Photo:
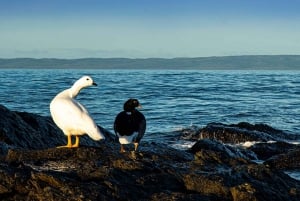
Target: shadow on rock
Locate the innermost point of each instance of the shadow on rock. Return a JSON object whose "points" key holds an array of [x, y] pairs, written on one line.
{"points": [[32, 169]]}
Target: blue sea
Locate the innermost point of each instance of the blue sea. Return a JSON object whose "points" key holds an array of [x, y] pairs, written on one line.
{"points": [[172, 99]]}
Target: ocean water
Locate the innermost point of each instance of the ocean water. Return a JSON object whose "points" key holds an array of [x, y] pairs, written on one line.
{"points": [[171, 100]]}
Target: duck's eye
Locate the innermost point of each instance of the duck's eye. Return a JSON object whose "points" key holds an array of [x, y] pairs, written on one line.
{"points": [[87, 79]]}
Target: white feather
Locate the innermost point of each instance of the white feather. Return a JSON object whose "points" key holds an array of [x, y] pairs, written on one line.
{"points": [[72, 117]]}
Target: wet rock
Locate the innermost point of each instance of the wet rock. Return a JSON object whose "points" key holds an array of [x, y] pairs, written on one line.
{"points": [[102, 173], [264, 141], [93, 172], [210, 171], [266, 150], [210, 152], [31, 131], [286, 161], [240, 133]]}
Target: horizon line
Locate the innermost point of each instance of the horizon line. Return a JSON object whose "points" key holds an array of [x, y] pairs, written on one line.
{"points": [[143, 58]]}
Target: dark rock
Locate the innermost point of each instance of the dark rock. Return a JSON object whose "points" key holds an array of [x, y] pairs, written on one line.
{"points": [[31, 168], [102, 173], [30, 131], [240, 133], [287, 161], [265, 151], [210, 152]]}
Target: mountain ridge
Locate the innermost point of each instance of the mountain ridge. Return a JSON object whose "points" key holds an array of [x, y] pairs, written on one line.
{"points": [[242, 62]]}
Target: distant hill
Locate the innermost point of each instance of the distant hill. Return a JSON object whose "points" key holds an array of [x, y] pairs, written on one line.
{"points": [[263, 62]]}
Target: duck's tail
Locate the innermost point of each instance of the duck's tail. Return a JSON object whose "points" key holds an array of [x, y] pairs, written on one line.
{"points": [[96, 134]]}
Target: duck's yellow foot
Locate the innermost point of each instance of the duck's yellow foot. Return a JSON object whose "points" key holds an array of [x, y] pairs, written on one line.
{"points": [[136, 145], [69, 143], [66, 146], [74, 146], [122, 150]]}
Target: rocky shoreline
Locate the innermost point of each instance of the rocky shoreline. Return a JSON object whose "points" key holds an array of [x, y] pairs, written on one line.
{"points": [[32, 168]]}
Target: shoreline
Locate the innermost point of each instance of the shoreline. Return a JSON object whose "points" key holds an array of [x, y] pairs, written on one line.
{"points": [[31, 167]]}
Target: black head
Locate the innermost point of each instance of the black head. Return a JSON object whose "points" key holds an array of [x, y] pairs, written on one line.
{"points": [[131, 104]]}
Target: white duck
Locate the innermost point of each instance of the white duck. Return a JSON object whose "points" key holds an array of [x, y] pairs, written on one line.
{"points": [[71, 117]]}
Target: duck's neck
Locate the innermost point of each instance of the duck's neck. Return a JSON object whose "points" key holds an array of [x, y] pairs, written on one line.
{"points": [[130, 112], [74, 90]]}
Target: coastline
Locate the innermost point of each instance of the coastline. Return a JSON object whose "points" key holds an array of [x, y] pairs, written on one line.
{"points": [[239, 62], [31, 166]]}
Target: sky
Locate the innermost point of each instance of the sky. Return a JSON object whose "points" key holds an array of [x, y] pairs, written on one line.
{"points": [[148, 28]]}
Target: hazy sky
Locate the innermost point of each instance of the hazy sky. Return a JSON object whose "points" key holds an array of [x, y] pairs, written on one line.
{"points": [[148, 28]]}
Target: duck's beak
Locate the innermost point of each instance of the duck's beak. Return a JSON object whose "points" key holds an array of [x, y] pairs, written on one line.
{"points": [[139, 106], [94, 84]]}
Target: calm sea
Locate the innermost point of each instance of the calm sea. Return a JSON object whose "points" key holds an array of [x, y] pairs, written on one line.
{"points": [[171, 100]]}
